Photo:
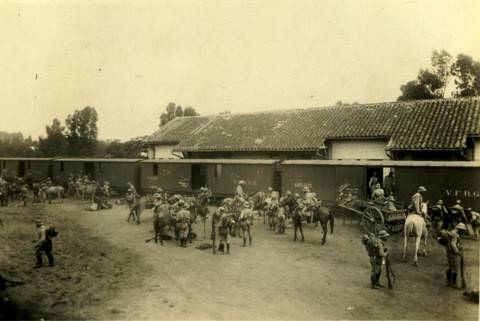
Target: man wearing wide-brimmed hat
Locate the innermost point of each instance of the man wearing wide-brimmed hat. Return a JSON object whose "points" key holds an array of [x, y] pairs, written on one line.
{"points": [[246, 220], [377, 252], [44, 244], [454, 254], [417, 200]]}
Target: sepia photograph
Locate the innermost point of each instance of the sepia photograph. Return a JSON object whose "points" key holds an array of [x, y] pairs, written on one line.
{"points": [[239, 160]]}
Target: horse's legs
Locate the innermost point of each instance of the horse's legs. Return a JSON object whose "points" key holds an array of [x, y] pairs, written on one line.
{"points": [[301, 232], [425, 244], [295, 227], [417, 248], [405, 241]]}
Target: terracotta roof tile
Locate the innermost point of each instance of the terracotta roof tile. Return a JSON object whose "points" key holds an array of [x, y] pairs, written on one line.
{"points": [[440, 124]]}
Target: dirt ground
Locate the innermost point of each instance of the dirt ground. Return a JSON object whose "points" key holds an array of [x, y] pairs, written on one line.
{"points": [[105, 270]]}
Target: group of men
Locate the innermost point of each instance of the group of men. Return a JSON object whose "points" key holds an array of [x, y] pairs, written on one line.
{"points": [[448, 234]]}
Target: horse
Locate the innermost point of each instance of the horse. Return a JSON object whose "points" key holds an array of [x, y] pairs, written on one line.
{"points": [[320, 213], [416, 225], [59, 191], [139, 206], [83, 191], [257, 203], [162, 216]]}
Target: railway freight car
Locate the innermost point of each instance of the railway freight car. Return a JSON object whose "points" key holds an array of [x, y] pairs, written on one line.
{"points": [[117, 171], [34, 169], [221, 176], [448, 181]]}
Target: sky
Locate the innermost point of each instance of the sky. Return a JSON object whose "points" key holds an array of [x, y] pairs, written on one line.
{"points": [[129, 59]]}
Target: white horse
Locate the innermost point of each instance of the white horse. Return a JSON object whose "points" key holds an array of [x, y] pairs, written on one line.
{"points": [[415, 225]]}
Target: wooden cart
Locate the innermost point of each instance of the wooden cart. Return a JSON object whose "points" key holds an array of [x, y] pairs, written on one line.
{"points": [[375, 218]]}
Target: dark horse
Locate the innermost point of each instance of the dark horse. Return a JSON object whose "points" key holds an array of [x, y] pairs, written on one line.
{"points": [[162, 216], [320, 214]]}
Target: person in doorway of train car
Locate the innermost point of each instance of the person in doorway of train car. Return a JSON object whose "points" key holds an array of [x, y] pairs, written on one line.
{"points": [[389, 184], [373, 182], [246, 221], [475, 221]]}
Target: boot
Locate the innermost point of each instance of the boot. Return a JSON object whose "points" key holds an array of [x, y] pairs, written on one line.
{"points": [[454, 281], [221, 248], [373, 280], [228, 248], [244, 242], [449, 278], [249, 240], [39, 262], [378, 281]]}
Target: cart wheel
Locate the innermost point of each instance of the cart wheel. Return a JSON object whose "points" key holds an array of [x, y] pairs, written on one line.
{"points": [[372, 220], [395, 226]]}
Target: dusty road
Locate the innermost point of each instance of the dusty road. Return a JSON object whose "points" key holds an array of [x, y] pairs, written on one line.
{"points": [[275, 278]]}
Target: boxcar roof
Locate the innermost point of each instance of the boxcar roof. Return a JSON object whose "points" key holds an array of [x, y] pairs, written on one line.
{"points": [[212, 161], [99, 160], [382, 163], [24, 159]]}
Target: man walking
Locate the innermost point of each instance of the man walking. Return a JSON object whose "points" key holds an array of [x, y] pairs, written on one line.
{"points": [[377, 252], [183, 223], [246, 221], [44, 244], [454, 254]]}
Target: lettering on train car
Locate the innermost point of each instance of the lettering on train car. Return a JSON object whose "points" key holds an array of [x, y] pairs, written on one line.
{"points": [[184, 182], [151, 178], [302, 185], [346, 193], [463, 193], [247, 183]]}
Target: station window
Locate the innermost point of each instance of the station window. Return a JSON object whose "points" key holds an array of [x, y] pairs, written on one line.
{"points": [[218, 170], [62, 166], [155, 169]]}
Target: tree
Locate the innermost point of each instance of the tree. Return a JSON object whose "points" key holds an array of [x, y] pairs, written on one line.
{"points": [[427, 86], [55, 144], [134, 148], [82, 132], [442, 64], [172, 111], [467, 76]]}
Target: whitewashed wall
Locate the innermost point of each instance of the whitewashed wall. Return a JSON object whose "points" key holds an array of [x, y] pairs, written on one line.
{"points": [[476, 151], [358, 149], [161, 151]]}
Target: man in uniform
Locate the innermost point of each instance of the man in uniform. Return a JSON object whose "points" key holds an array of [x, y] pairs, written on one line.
{"points": [[378, 195], [389, 183], [417, 201], [246, 221], [203, 201], [309, 200], [454, 254], [373, 181], [458, 213], [439, 214], [130, 200], [158, 194], [226, 220], [183, 223], [272, 210], [377, 252], [240, 196], [215, 220], [44, 244], [134, 190], [475, 221]]}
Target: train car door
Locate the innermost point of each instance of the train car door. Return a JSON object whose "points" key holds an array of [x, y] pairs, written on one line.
{"points": [[199, 176], [370, 173], [21, 169], [89, 169]]}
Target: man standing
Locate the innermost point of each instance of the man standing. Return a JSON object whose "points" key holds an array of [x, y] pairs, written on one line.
{"points": [[226, 220], [389, 183], [44, 244], [183, 223], [439, 214], [454, 254], [458, 213], [246, 221], [134, 190], [378, 253], [373, 181]]}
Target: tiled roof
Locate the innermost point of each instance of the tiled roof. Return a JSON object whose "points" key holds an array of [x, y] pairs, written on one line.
{"points": [[441, 124], [176, 130]]}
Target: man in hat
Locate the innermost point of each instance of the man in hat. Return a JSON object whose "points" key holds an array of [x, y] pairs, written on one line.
{"points": [[373, 182], [475, 221], [271, 211], [134, 190], [458, 213], [389, 184], [417, 201], [226, 221], [377, 251], [439, 214], [378, 195], [183, 223], [454, 254], [240, 195], [44, 244], [130, 200], [246, 221], [308, 202]]}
